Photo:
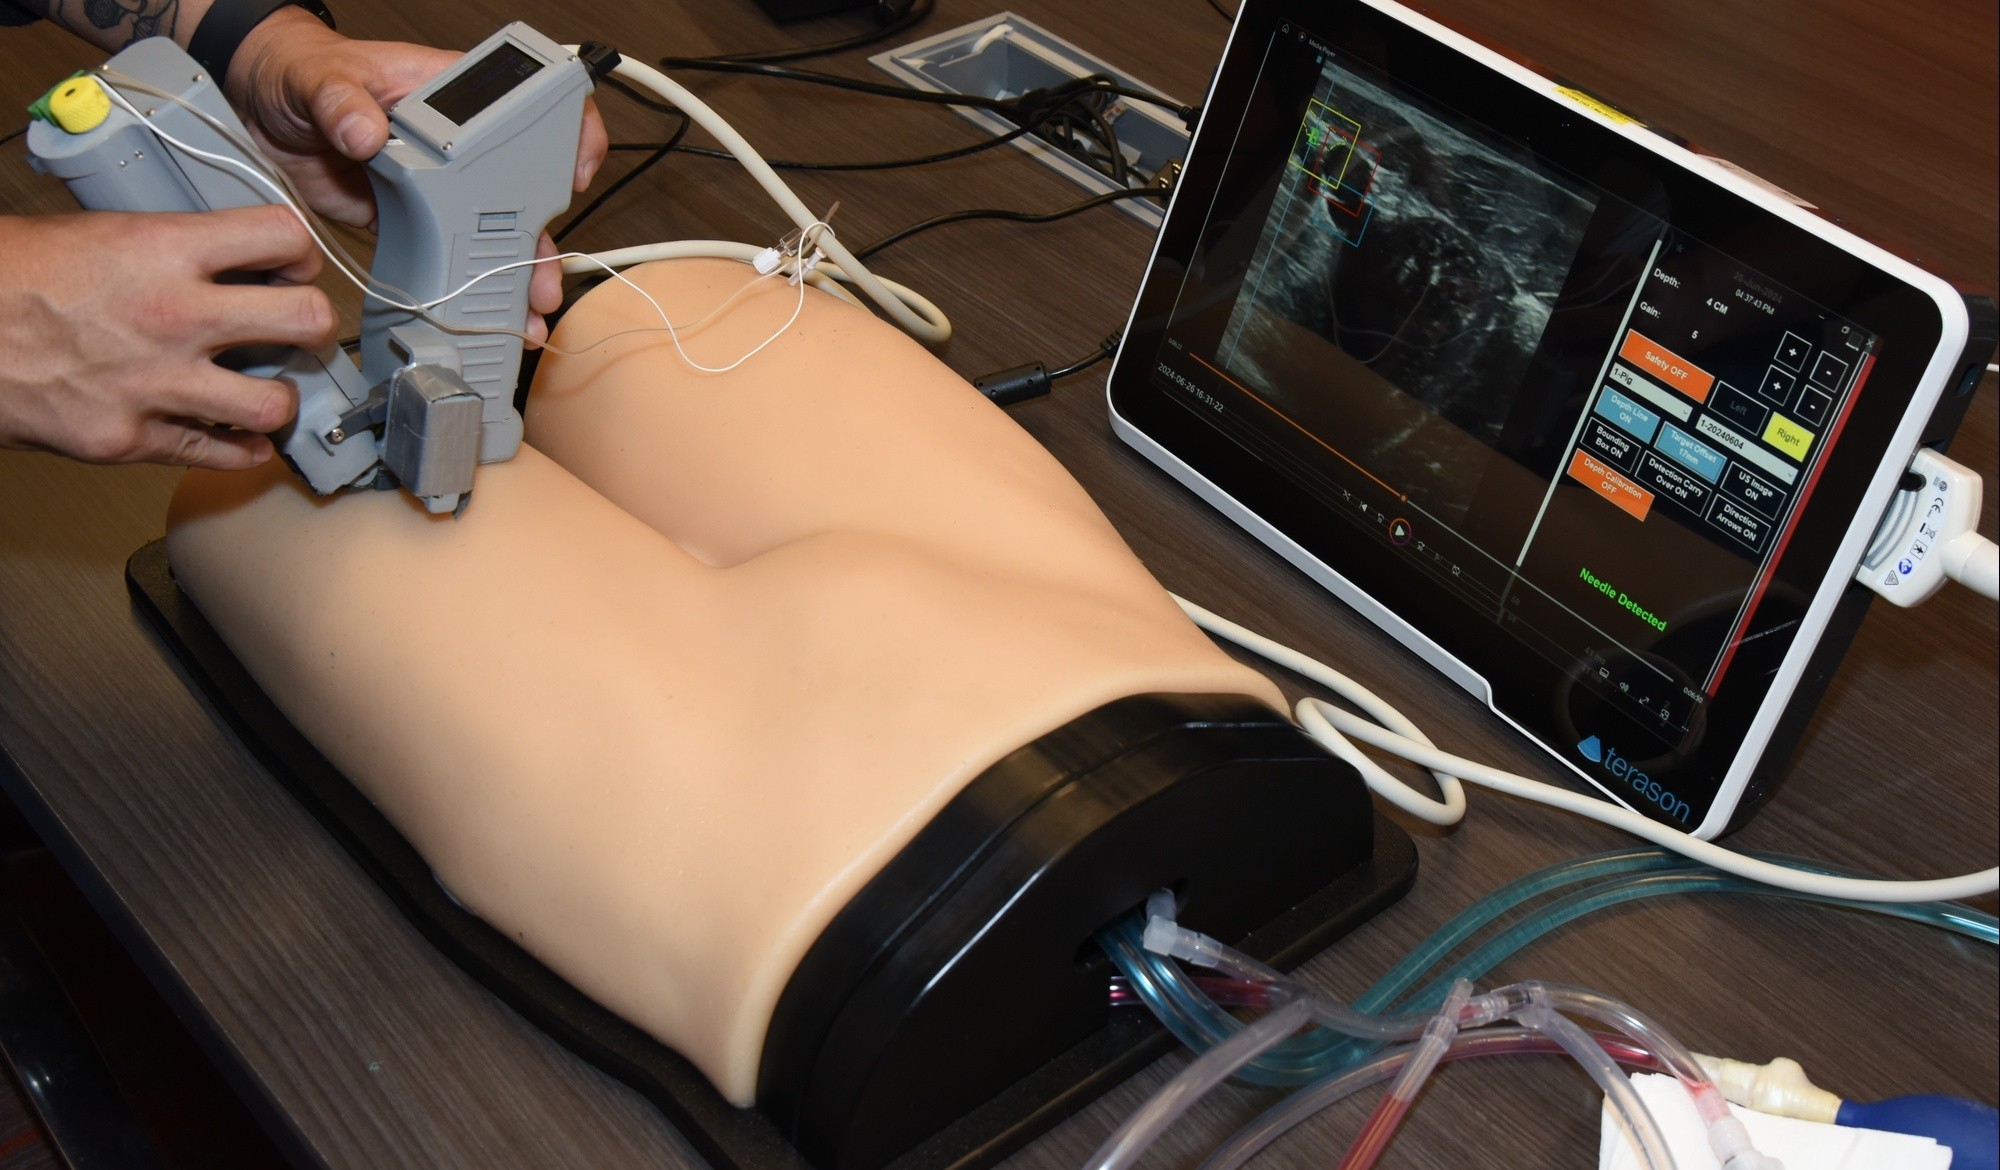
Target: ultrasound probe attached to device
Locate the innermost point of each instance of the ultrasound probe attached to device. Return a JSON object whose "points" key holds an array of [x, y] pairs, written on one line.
{"points": [[477, 162]]}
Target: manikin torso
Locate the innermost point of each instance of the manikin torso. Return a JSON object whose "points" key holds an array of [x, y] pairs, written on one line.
{"points": [[706, 653]]}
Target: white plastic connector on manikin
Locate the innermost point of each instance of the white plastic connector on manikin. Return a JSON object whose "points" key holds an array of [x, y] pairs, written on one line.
{"points": [[1927, 535], [1164, 936], [1780, 1087]]}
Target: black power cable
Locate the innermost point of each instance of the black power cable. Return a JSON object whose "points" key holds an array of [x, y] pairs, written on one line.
{"points": [[625, 180], [1008, 387], [1107, 137], [1103, 352], [1032, 111], [1009, 215], [1027, 101], [12, 135], [909, 18], [888, 164]]}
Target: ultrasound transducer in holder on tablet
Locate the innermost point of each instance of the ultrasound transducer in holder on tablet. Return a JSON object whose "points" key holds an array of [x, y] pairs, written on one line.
{"points": [[1598, 426]]}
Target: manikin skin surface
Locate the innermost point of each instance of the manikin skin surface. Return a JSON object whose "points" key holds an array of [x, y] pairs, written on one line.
{"points": [[706, 654]]}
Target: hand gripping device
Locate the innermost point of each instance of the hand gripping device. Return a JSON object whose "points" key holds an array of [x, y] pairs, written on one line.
{"points": [[478, 161]]}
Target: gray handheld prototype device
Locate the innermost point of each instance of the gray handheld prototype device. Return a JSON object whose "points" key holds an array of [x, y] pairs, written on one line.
{"points": [[478, 161]]}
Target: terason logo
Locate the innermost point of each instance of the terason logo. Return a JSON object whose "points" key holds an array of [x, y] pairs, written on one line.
{"points": [[1592, 748]]}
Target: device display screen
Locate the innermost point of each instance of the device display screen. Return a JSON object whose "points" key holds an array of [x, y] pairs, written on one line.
{"points": [[1538, 395], [482, 83]]}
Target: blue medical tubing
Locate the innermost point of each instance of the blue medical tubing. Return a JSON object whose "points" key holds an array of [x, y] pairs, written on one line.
{"points": [[1949, 916], [1473, 918]]}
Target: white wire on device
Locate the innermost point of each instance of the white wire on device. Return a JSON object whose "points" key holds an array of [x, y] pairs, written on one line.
{"points": [[277, 190], [814, 233], [932, 326], [1395, 734], [827, 276], [824, 277]]}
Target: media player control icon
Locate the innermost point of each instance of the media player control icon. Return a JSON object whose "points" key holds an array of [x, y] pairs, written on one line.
{"points": [[1400, 531]]}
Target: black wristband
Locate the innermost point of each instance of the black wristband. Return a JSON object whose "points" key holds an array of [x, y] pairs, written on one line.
{"points": [[227, 22]]}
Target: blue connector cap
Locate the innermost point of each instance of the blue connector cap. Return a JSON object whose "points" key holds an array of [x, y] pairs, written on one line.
{"points": [[1971, 1130]]}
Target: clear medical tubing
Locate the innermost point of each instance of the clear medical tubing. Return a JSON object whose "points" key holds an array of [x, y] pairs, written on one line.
{"points": [[1539, 1005], [1635, 874], [1199, 1023], [1339, 1017], [1542, 1016], [1535, 1004], [1226, 992], [1197, 1020], [1280, 1119], [1210, 1069], [1728, 1138], [1626, 1019], [1424, 1057]]}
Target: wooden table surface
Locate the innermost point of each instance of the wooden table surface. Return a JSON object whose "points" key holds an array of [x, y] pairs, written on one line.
{"points": [[364, 1048]]}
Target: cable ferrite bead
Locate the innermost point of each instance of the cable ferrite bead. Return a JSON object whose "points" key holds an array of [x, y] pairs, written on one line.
{"points": [[1007, 387]]}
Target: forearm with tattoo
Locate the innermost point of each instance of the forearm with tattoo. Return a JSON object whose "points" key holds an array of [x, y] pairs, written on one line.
{"points": [[114, 24]]}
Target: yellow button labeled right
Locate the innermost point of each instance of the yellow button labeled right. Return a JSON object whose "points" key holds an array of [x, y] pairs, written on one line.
{"points": [[1788, 436]]}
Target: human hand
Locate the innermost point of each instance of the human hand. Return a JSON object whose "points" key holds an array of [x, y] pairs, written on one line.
{"points": [[110, 322], [315, 102]]}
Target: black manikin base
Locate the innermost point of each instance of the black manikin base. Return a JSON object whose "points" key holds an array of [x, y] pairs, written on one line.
{"points": [[730, 1138]]}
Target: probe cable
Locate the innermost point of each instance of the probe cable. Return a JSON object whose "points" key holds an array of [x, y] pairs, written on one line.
{"points": [[916, 315], [1389, 730]]}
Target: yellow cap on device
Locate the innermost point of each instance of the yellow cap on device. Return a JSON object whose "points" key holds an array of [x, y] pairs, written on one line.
{"points": [[78, 105]]}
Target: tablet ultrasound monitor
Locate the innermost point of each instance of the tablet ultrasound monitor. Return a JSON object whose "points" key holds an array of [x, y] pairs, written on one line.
{"points": [[1597, 426]]}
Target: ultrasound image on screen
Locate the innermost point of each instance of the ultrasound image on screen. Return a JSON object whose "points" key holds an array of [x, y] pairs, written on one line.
{"points": [[1428, 259]]}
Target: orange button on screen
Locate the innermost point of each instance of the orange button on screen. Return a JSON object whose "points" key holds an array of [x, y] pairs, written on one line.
{"points": [[1667, 366], [1611, 485]]}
